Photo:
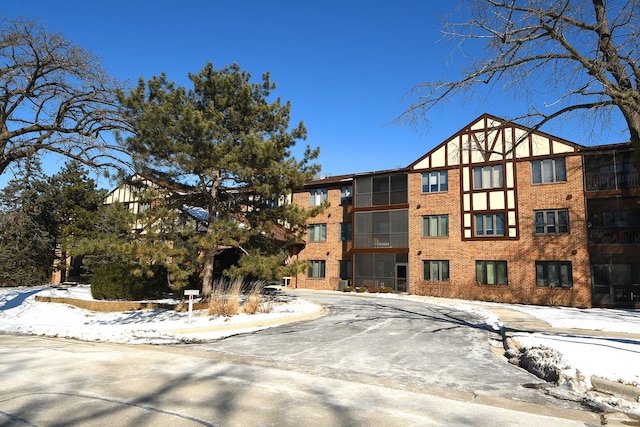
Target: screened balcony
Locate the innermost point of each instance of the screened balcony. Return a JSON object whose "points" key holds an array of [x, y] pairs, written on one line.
{"points": [[613, 221], [611, 171]]}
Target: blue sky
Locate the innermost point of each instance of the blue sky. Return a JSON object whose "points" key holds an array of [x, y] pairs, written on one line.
{"points": [[346, 66]]}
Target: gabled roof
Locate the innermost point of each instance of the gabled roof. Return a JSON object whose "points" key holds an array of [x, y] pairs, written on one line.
{"points": [[490, 138]]}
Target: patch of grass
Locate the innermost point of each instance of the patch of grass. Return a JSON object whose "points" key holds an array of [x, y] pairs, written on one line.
{"points": [[267, 307], [225, 299], [254, 300]]}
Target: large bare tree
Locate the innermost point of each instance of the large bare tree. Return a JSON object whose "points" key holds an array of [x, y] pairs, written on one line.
{"points": [[564, 56], [54, 97]]}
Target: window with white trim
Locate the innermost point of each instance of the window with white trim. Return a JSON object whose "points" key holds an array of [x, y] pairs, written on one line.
{"points": [[316, 269], [435, 226], [552, 221], [548, 170], [489, 224], [435, 182], [491, 272], [318, 232], [554, 274], [318, 196], [486, 177], [436, 271]]}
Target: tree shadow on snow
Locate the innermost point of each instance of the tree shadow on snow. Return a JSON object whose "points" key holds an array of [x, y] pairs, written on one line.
{"points": [[17, 300]]}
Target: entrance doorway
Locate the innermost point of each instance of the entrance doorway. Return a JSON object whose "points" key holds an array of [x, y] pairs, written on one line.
{"points": [[401, 278]]}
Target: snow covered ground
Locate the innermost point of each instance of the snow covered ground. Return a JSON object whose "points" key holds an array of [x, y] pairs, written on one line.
{"points": [[616, 359], [21, 313]]}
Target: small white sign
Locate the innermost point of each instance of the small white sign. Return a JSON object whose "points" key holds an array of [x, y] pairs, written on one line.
{"points": [[191, 293]]}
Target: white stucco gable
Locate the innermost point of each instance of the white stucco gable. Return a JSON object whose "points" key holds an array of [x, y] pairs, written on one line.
{"points": [[489, 139]]}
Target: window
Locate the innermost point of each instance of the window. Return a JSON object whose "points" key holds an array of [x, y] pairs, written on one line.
{"points": [[435, 226], [434, 182], [318, 232], [491, 272], [487, 177], [548, 170], [318, 196], [552, 221], [554, 274], [345, 231], [346, 195], [316, 269], [437, 271], [489, 224]]}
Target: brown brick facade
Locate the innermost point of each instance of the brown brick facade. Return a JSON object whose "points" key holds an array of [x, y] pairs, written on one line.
{"points": [[331, 251], [520, 246], [520, 254]]}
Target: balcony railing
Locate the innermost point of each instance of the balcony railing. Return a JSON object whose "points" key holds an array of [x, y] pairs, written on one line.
{"points": [[614, 236], [391, 240], [612, 180]]}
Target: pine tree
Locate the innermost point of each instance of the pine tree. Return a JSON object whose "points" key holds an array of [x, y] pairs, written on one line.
{"points": [[226, 140], [27, 229], [75, 200]]}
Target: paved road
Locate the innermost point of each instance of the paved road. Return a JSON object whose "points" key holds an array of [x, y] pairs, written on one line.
{"points": [[411, 345], [368, 362]]}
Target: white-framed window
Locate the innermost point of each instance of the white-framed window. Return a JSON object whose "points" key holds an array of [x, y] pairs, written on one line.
{"points": [[318, 196], [554, 274], [316, 269], [486, 177], [491, 272], [489, 224], [548, 170], [318, 232], [435, 182], [435, 225], [552, 221], [436, 271]]}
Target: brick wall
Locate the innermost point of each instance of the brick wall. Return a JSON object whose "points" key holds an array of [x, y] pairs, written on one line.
{"points": [[333, 250], [520, 254]]}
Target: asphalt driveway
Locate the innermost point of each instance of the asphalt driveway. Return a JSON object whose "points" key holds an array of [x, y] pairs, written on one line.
{"points": [[368, 362], [411, 345]]}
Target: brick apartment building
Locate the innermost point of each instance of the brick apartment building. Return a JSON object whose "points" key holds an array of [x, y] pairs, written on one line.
{"points": [[496, 212]]}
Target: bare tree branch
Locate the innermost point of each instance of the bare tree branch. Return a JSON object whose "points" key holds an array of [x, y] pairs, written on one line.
{"points": [[55, 97], [583, 51]]}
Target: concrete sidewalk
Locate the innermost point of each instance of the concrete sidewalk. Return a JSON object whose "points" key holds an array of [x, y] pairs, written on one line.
{"points": [[515, 321]]}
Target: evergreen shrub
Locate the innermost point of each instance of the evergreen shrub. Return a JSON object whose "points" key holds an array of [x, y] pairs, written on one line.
{"points": [[117, 282]]}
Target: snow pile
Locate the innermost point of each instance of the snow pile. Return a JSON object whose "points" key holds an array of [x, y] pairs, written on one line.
{"points": [[21, 313]]}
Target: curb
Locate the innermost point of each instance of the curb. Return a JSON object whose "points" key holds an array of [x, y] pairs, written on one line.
{"points": [[321, 311], [626, 391]]}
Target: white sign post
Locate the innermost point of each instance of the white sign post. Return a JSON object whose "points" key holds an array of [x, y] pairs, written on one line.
{"points": [[191, 293]]}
